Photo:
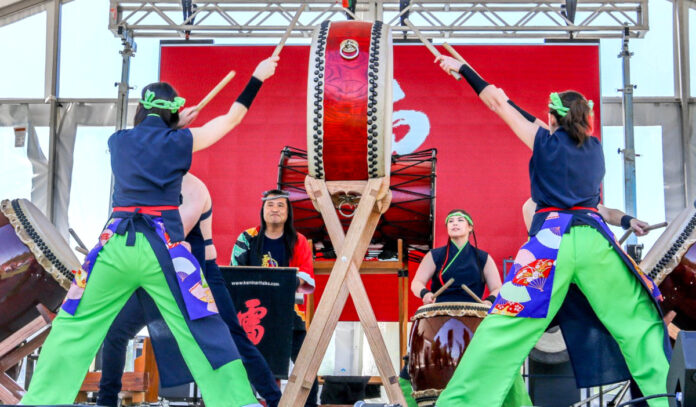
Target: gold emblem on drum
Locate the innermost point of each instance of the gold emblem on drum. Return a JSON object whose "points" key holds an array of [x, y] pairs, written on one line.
{"points": [[349, 49]]}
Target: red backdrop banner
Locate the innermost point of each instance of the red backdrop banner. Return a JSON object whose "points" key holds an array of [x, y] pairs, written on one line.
{"points": [[481, 166]]}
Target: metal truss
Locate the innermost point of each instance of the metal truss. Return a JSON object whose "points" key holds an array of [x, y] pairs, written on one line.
{"points": [[436, 19]]}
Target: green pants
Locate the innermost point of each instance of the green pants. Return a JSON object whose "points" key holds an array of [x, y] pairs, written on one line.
{"points": [[74, 340], [585, 258]]}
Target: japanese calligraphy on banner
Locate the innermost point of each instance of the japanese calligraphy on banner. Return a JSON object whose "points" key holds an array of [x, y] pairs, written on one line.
{"points": [[481, 165], [264, 298]]}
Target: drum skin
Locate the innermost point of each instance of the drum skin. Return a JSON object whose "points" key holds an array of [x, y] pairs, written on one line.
{"points": [[349, 101], [24, 282], [410, 215], [437, 343]]}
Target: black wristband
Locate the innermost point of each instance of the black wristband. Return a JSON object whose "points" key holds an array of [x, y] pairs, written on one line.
{"points": [[626, 221], [423, 292], [523, 112], [249, 93], [490, 298], [475, 81]]}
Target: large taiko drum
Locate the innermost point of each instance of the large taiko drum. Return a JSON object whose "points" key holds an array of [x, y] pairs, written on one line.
{"points": [[35, 265], [409, 217], [671, 263], [440, 334], [349, 101]]}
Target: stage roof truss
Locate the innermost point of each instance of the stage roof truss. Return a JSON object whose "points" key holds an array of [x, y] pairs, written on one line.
{"points": [[436, 19]]}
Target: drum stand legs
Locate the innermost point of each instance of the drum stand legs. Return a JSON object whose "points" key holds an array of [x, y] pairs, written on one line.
{"points": [[12, 353], [350, 251]]}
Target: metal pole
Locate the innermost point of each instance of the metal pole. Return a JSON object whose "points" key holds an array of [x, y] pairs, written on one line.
{"points": [[629, 151], [129, 49], [51, 97], [683, 89]]}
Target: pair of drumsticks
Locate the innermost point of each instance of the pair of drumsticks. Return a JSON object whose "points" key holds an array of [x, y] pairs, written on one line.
{"points": [[231, 74], [464, 287], [434, 50]]}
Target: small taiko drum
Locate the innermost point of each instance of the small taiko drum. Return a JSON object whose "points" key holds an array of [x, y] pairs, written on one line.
{"points": [[440, 334], [349, 101], [671, 263], [409, 217], [35, 265]]}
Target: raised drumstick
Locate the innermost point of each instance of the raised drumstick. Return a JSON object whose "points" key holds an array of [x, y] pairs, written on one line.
{"points": [[281, 44], [443, 288], [428, 45], [457, 56], [471, 293], [648, 228], [215, 90]]}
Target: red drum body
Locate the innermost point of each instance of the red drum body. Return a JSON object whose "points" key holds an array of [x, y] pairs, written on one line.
{"points": [[671, 263], [349, 101], [410, 216], [35, 265], [440, 334]]}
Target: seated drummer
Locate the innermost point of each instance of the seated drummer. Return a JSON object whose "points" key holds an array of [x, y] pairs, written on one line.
{"points": [[276, 243], [466, 264]]}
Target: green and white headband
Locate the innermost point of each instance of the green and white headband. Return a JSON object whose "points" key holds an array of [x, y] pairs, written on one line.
{"points": [[149, 102]]}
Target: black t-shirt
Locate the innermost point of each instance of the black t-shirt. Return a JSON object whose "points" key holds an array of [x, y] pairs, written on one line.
{"points": [[273, 254]]}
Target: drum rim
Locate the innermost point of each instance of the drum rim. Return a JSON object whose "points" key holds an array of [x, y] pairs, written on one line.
{"points": [[15, 213], [476, 309], [680, 243]]}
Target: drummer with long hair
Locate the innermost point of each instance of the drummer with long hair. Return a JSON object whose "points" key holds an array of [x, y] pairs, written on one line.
{"points": [[570, 251], [467, 265], [141, 246]]}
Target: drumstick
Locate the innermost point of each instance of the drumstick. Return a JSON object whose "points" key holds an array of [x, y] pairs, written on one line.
{"points": [[77, 239], [428, 45], [443, 288], [280, 45], [647, 229], [457, 56], [471, 293], [215, 91], [81, 250]]}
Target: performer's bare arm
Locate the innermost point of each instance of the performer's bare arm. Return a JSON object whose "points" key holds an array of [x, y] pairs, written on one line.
{"points": [[208, 134], [528, 209], [613, 217], [425, 272], [194, 195], [490, 272], [497, 101]]}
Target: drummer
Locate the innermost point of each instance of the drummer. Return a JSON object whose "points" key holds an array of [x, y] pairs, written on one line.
{"points": [[141, 247], [466, 264], [570, 245]]}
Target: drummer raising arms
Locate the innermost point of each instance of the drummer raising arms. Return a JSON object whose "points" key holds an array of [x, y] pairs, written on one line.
{"points": [[569, 243], [141, 247], [466, 264]]}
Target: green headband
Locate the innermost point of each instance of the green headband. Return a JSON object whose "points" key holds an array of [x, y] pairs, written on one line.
{"points": [[557, 105], [173, 106], [467, 217]]}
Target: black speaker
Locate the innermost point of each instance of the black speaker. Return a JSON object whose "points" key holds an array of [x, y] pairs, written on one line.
{"points": [[682, 370]]}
